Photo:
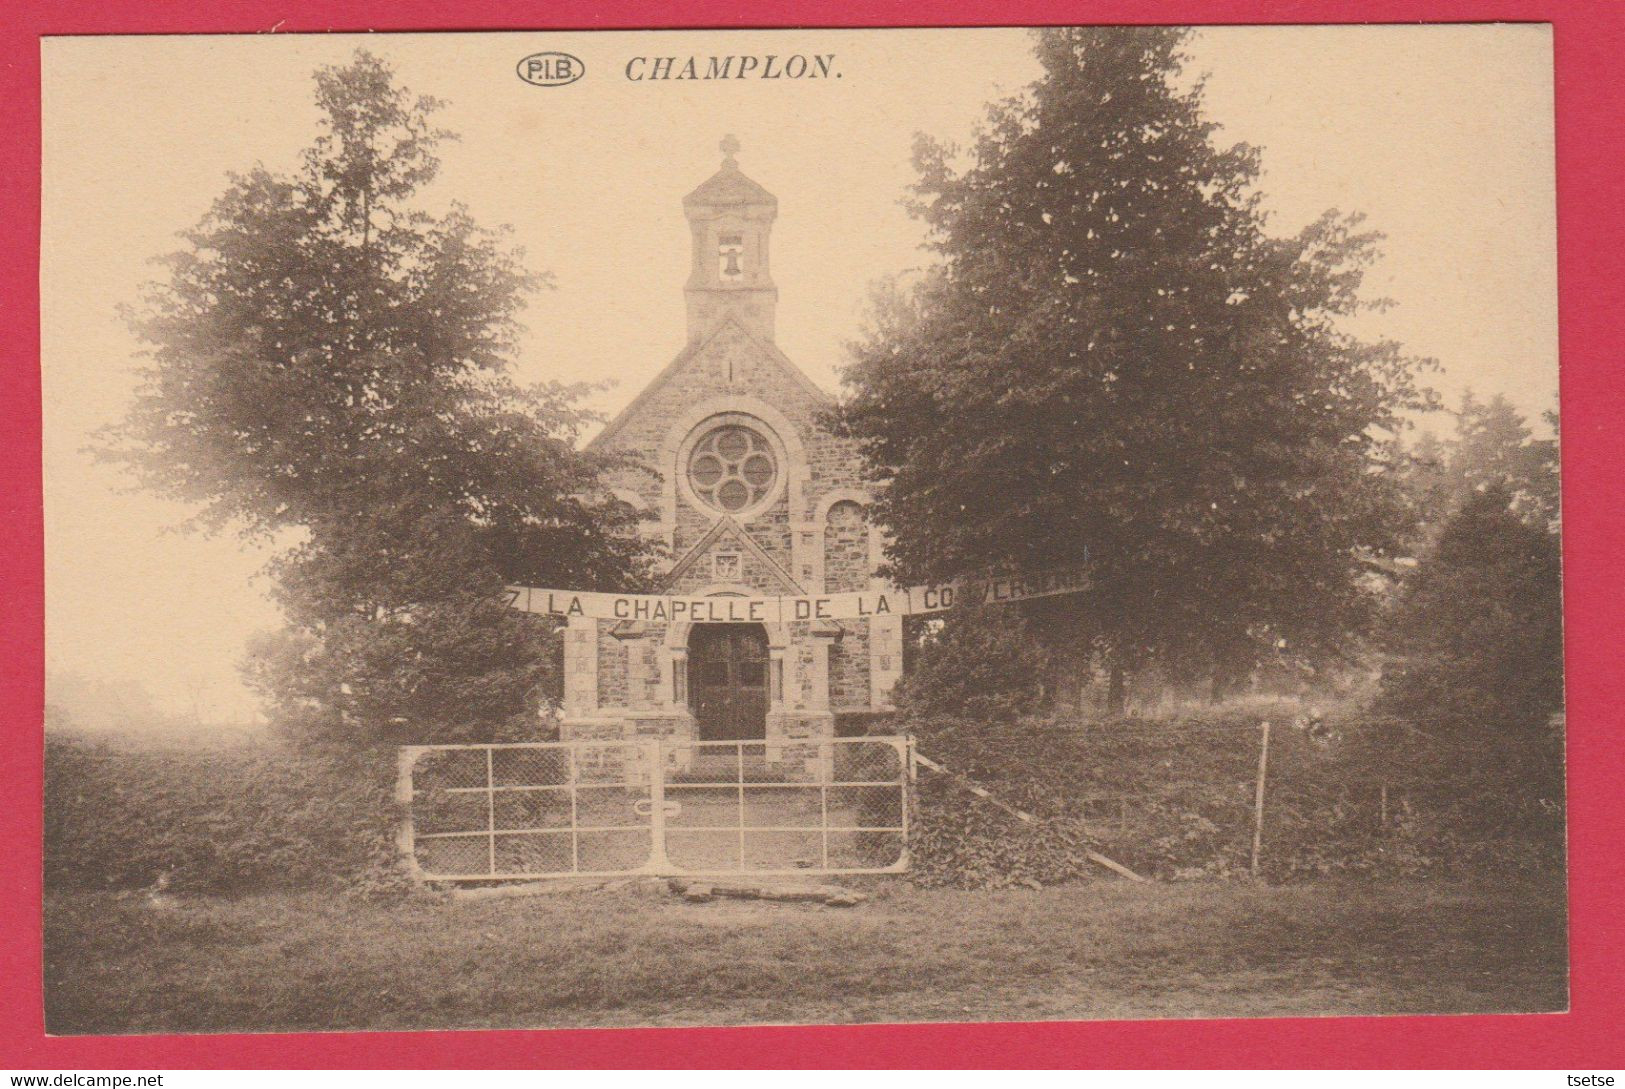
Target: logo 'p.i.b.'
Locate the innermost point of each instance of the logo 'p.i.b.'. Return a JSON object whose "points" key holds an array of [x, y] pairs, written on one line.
{"points": [[551, 69]]}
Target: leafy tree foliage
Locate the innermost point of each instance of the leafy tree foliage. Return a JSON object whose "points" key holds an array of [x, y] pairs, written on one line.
{"points": [[1114, 366], [974, 663], [329, 360], [1477, 636]]}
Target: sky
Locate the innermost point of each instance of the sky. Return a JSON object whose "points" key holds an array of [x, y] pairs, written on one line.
{"points": [[1441, 135]]}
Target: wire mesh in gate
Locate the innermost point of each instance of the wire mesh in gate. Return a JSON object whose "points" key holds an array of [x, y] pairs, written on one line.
{"points": [[829, 806], [599, 808], [499, 811]]}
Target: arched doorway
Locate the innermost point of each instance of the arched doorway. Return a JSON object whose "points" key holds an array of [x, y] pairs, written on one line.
{"points": [[727, 681]]}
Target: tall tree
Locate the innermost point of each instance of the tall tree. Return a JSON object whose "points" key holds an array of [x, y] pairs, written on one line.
{"points": [[1491, 446], [1114, 366], [1494, 447], [1476, 640], [330, 360]]}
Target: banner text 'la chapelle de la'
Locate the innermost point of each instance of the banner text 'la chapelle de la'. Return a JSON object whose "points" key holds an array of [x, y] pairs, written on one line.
{"points": [[774, 609]]}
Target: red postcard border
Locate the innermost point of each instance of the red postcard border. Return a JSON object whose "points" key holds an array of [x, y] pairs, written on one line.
{"points": [[1589, 38]]}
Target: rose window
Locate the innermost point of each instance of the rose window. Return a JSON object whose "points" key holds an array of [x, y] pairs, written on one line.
{"points": [[732, 468]]}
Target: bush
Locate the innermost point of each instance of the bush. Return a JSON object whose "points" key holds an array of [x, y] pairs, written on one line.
{"points": [[1186, 815], [977, 663], [961, 842], [225, 820], [1174, 799]]}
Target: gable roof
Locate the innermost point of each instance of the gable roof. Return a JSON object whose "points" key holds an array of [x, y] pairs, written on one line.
{"points": [[692, 351], [722, 526], [730, 186]]}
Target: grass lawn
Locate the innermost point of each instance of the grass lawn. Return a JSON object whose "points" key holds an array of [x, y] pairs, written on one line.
{"points": [[636, 955]]}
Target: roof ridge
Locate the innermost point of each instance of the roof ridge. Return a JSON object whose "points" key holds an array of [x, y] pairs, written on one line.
{"points": [[730, 185]]}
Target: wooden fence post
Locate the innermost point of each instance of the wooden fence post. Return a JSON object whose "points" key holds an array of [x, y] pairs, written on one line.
{"points": [[1258, 794]]}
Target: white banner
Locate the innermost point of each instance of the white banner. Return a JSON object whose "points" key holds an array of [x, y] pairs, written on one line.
{"points": [[911, 601]]}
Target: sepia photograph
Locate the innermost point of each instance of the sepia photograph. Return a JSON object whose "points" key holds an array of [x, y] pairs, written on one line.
{"points": [[583, 529]]}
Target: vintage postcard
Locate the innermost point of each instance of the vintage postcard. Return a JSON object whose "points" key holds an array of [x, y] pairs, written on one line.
{"points": [[696, 528]]}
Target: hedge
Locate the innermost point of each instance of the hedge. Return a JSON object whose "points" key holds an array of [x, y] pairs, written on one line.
{"points": [[1174, 800], [218, 820]]}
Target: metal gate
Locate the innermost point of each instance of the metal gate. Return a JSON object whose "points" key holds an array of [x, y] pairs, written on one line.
{"points": [[606, 808]]}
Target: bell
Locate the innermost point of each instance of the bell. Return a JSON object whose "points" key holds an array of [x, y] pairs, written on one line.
{"points": [[731, 266]]}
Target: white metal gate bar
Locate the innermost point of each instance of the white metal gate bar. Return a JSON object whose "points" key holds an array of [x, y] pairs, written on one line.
{"points": [[441, 831], [506, 811], [878, 767]]}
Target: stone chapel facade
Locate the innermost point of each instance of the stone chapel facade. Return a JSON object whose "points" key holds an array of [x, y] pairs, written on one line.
{"points": [[751, 496]]}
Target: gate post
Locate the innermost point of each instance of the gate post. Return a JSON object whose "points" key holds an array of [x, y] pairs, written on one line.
{"points": [[657, 806], [909, 774], [406, 758]]}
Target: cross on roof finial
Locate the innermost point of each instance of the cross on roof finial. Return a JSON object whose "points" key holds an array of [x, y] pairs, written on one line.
{"points": [[730, 147]]}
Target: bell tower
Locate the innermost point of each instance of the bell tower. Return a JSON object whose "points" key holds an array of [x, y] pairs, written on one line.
{"points": [[730, 218]]}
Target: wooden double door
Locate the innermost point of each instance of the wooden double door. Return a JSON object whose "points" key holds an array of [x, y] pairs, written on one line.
{"points": [[727, 681]]}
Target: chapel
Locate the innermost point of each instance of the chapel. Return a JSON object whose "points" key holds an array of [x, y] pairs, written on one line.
{"points": [[751, 495]]}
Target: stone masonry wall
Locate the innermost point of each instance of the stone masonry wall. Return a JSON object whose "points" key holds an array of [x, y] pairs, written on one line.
{"points": [[849, 668], [846, 568], [846, 549], [727, 365], [730, 363], [612, 671]]}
